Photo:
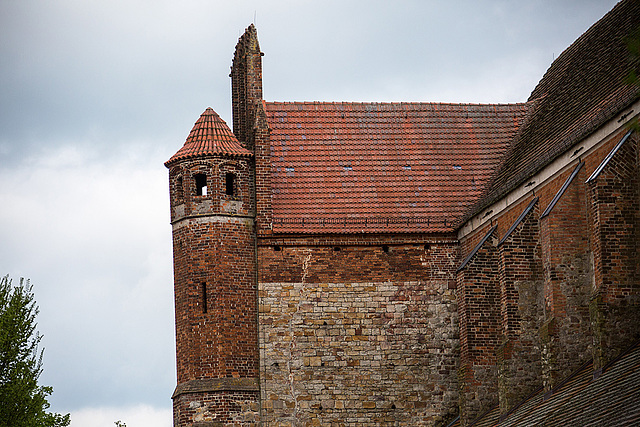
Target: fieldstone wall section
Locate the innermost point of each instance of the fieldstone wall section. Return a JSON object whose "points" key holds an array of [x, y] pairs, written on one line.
{"points": [[226, 408], [364, 351]]}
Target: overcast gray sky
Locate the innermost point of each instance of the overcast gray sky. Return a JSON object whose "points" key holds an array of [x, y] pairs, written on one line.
{"points": [[95, 96]]}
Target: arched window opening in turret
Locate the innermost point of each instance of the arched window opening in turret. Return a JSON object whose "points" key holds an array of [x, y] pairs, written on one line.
{"points": [[230, 182], [201, 184]]}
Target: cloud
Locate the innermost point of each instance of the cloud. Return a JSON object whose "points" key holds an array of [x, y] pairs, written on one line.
{"points": [[93, 235]]}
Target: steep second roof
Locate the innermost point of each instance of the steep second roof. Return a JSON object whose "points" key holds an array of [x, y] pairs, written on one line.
{"points": [[377, 167], [583, 89], [210, 136]]}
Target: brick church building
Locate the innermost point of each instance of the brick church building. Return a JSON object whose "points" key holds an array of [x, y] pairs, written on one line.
{"points": [[414, 264]]}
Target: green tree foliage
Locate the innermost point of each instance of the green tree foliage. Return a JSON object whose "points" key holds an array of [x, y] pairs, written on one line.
{"points": [[23, 403]]}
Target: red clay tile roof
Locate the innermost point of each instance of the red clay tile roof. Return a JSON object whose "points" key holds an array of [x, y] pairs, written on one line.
{"points": [[210, 136], [376, 167], [584, 88]]}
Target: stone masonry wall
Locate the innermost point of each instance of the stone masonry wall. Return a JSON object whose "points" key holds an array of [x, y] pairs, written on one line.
{"points": [[359, 334], [225, 408]]}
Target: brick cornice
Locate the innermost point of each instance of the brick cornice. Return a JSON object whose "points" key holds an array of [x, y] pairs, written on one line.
{"points": [[216, 384]]}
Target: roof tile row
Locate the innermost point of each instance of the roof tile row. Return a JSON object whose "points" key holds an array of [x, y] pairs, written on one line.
{"points": [[373, 162], [210, 136]]}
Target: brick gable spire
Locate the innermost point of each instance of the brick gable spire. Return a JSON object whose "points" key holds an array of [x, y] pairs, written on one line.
{"points": [[246, 85]]}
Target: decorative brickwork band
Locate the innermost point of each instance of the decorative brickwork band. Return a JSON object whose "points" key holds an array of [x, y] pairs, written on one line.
{"points": [[217, 384]]}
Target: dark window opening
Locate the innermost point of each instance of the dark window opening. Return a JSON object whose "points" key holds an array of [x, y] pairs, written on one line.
{"points": [[230, 184], [336, 248], [385, 249], [277, 248], [201, 184], [204, 297]]}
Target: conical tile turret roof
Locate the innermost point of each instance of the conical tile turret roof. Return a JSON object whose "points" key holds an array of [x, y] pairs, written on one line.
{"points": [[210, 136]]}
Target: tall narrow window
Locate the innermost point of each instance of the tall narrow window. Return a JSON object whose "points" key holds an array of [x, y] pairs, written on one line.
{"points": [[204, 297], [201, 184], [230, 184]]}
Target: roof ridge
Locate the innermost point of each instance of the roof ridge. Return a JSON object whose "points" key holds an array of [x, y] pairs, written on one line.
{"points": [[400, 103]]}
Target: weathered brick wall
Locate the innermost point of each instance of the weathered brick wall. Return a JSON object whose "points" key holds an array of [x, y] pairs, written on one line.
{"points": [[566, 333], [552, 304], [478, 295], [521, 312], [614, 201], [182, 186], [263, 173], [218, 341], [215, 293], [246, 85], [358, 334]]}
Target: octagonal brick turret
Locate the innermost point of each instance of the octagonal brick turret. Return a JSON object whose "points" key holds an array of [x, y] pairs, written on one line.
{"points": [[212, 173], [213, 223]]}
